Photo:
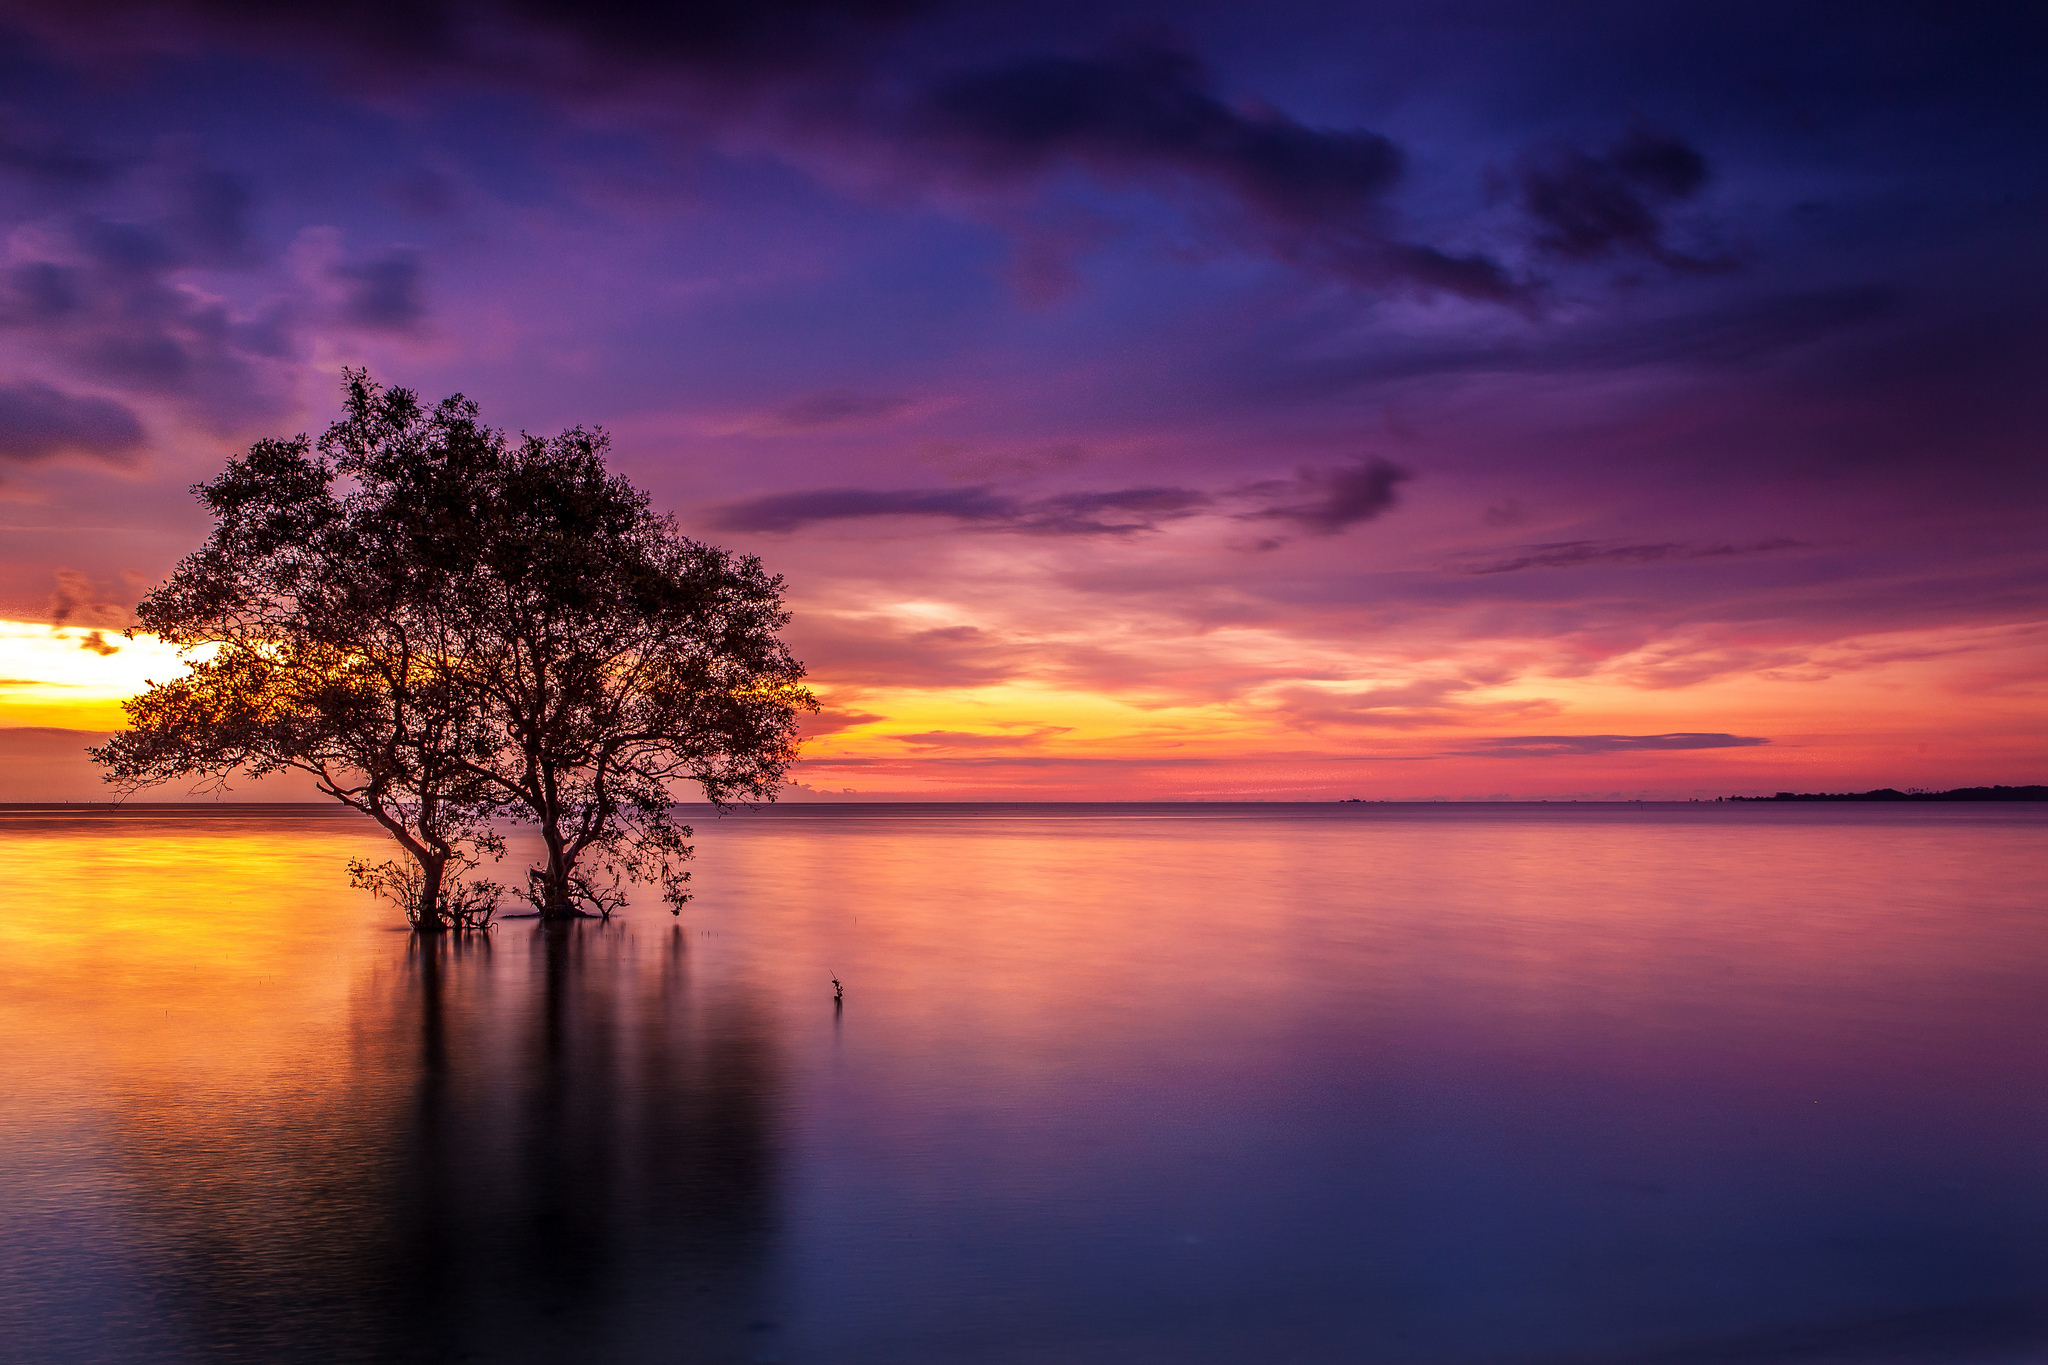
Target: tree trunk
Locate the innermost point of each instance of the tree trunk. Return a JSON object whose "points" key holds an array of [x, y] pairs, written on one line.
{"points": [[555, 901], [430, 919]]}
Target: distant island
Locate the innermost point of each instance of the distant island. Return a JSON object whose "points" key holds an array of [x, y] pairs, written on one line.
{"points": [[1893, 794]]}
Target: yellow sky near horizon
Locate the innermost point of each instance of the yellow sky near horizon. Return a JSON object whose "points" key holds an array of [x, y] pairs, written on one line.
{"points": [[76, 678], [1940, 707]]}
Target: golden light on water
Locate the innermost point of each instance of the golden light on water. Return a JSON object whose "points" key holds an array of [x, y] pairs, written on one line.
{"points": [[1182, 1047]]}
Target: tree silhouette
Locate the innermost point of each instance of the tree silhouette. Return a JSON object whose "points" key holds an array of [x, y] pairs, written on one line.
{"points": [[444, 627]]}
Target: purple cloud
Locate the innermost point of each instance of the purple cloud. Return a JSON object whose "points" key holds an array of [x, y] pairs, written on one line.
{"points": [[1151, 108], [1327, 501], [1145, 112], [383, 294], [1587, 206], [37, 422]]}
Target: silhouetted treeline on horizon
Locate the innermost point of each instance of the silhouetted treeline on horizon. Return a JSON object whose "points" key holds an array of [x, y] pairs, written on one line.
{"points": [[1894, 794]]}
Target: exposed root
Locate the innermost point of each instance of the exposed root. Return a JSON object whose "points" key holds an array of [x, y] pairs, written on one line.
{"points": [[464, 903]]}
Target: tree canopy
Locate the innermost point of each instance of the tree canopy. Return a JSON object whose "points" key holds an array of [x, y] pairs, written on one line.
{"points": [[446, 628]]}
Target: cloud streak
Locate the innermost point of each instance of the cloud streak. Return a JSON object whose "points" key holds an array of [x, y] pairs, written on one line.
{"points": [[1572, 554], [1398, 706], [1116, 512], [1560, 746], [957, 740], [1322, 501]]}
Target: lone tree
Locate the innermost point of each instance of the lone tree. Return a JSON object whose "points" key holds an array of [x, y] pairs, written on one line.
{"points": [[445, 627]]}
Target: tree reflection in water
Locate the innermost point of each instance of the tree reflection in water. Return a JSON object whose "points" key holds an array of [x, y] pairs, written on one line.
{"points": [[1559, 1085], [576, 1166]]}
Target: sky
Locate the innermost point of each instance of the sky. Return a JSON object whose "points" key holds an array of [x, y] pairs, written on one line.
{"points": [[1288, 401]]}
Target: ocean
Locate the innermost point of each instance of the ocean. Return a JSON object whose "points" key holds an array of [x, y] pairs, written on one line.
{"points": [[1177, 1083]]}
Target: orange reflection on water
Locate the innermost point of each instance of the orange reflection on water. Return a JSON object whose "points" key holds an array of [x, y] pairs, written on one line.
{"points": [[1461, 1084], [1081, 933], [206, 947], [274, 1116]]}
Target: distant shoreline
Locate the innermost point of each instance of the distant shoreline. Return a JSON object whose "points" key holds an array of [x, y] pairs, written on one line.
{"points": [[1894, 794]]}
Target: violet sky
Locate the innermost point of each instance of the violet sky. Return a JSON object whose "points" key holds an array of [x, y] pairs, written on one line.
{"points": [[1179, 401]]}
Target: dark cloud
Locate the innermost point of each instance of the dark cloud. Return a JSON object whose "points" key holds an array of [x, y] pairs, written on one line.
{"points": [[1117, 512], [37, 421], [383, 294], [792, 511], [1554, 746], [1123, 509], [116, 289], [721, 40], [1144, 112], [54, 161], [1570, 554], [1148, 107], [109, 299], [1327, 501], [1140, 113], [1323, 501], [1472, 275], [1587, 206], [717, 35]]}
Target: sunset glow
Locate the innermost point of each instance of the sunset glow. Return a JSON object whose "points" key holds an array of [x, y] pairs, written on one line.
{"points": [[1332, 402], [1901, 708], [75, 679], [945, 683]]}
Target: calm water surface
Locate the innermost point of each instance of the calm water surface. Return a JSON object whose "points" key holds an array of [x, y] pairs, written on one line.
{"points": [[1188, 1084]]}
